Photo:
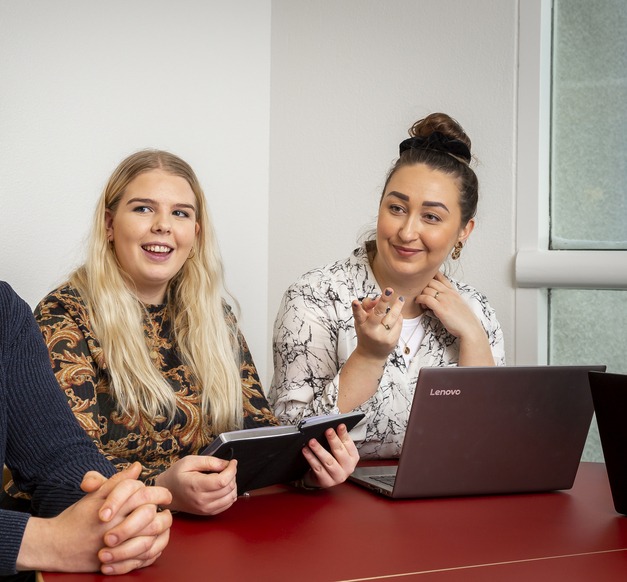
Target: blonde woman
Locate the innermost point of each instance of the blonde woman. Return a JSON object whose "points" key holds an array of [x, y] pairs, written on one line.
{"points": [[147, 351]]}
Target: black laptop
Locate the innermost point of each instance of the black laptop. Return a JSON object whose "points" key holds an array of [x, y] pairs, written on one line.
{"points": [[609, 394], [478, 431]]}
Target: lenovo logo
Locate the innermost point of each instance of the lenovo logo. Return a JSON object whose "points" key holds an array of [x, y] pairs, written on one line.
{"points": [[447, 392]]}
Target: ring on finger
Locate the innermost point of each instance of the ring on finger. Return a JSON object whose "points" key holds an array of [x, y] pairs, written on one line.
{"points": [[386, 326], [436, 294]]}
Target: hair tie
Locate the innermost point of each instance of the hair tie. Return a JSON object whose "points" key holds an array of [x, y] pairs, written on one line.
{"points": [[439, 142]]}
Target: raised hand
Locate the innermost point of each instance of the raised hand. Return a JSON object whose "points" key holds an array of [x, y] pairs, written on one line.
{"points": [[378, 324], [448, 306]]}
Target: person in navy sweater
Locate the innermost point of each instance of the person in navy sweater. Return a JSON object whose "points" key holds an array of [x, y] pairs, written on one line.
{"points": [[83, 516]]}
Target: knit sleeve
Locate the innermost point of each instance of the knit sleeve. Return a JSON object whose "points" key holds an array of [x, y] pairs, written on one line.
{"points": [[12, 526], [46, 451]]}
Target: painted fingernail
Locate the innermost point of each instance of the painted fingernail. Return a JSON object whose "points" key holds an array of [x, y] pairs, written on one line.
{"points": [[388, 292], [401, 298]]}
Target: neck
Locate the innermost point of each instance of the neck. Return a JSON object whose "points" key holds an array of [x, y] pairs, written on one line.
{"points": [[149, 294], [407, 287]]}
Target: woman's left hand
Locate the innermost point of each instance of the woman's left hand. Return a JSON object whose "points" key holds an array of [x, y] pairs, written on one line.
{"points": [[449, 307], [456, 316], [331, 468]]}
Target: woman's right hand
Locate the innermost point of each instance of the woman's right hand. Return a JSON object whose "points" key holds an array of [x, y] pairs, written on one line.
{"points": [[378, 324], [200, 484]]}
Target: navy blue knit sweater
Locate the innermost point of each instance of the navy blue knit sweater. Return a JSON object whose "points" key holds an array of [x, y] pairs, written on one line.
{"points": [[40, 440]]}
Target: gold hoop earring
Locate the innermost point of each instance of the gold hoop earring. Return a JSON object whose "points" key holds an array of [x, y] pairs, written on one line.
{"points": [[192, 253], [457, 250]]}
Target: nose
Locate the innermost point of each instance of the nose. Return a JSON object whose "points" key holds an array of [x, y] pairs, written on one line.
{"points": [[409, 230], [162, 224]]}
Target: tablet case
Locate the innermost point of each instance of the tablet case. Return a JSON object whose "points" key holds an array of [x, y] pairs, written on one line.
{"points": [[273, 454]]}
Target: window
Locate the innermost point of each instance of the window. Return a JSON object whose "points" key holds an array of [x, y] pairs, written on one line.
{"points": [[571, 266], [588, 203]]}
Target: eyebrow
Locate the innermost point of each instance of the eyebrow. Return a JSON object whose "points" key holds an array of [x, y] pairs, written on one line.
{"points": [[151, 201], [428, 203]]}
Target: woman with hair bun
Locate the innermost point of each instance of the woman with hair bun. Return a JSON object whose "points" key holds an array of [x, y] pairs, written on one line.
{"points": [[147, 351], [354, 335]]}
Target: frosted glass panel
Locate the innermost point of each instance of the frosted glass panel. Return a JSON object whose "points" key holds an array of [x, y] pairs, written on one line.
{"points": [[589, 327], [589, 125]]}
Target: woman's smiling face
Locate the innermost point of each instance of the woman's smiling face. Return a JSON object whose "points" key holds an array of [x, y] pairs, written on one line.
{"points": [[418, 224], [153, 229]]}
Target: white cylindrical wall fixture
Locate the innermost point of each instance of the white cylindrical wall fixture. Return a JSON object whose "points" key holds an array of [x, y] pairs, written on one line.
{"points": [[571, 269]]}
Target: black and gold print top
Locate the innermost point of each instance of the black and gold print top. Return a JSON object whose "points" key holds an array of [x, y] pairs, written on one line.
{"points": [[78, 363]]}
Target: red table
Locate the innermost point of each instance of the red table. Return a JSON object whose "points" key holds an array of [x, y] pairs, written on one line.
{"points": [[348, 533]]}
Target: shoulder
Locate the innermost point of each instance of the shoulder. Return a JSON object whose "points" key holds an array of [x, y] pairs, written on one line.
{"points": [[229, 314], [21, 345], [66, 294], [65, 298], [341, 273], [466, 290], [10, 301], [14, 313]]}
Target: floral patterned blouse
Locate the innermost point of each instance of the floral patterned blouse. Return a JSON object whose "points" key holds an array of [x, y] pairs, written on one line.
{"points": [[77, 360], [314, 335]]}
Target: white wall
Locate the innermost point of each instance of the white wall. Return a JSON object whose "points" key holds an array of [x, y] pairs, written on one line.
{"points": [[290, 111]]}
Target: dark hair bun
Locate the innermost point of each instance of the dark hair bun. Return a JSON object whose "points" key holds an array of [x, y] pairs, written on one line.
{"points": [[442, 123]]}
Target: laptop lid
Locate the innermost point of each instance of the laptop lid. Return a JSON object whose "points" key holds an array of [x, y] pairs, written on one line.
{"points": [[506, 429], [609, 394]]}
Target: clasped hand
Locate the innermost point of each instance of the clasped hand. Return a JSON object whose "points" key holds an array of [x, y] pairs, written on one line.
{"points": [[201, 484], [115, 528]]}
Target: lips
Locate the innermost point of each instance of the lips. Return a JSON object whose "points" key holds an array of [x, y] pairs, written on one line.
{"points": [[405, 251], [158, 249]]}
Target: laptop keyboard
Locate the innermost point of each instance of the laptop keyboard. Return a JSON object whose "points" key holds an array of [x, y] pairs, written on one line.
{"points": [[385, 479]]}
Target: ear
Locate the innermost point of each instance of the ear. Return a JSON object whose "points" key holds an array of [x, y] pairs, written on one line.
{"points": [[464, 233], [108, 218], [197, 229]]}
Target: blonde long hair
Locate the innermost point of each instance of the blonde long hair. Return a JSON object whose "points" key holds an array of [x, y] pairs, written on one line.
{"points": [[207, 344]]}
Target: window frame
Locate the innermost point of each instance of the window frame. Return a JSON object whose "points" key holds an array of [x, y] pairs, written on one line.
{"points": [[537, 268]]}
